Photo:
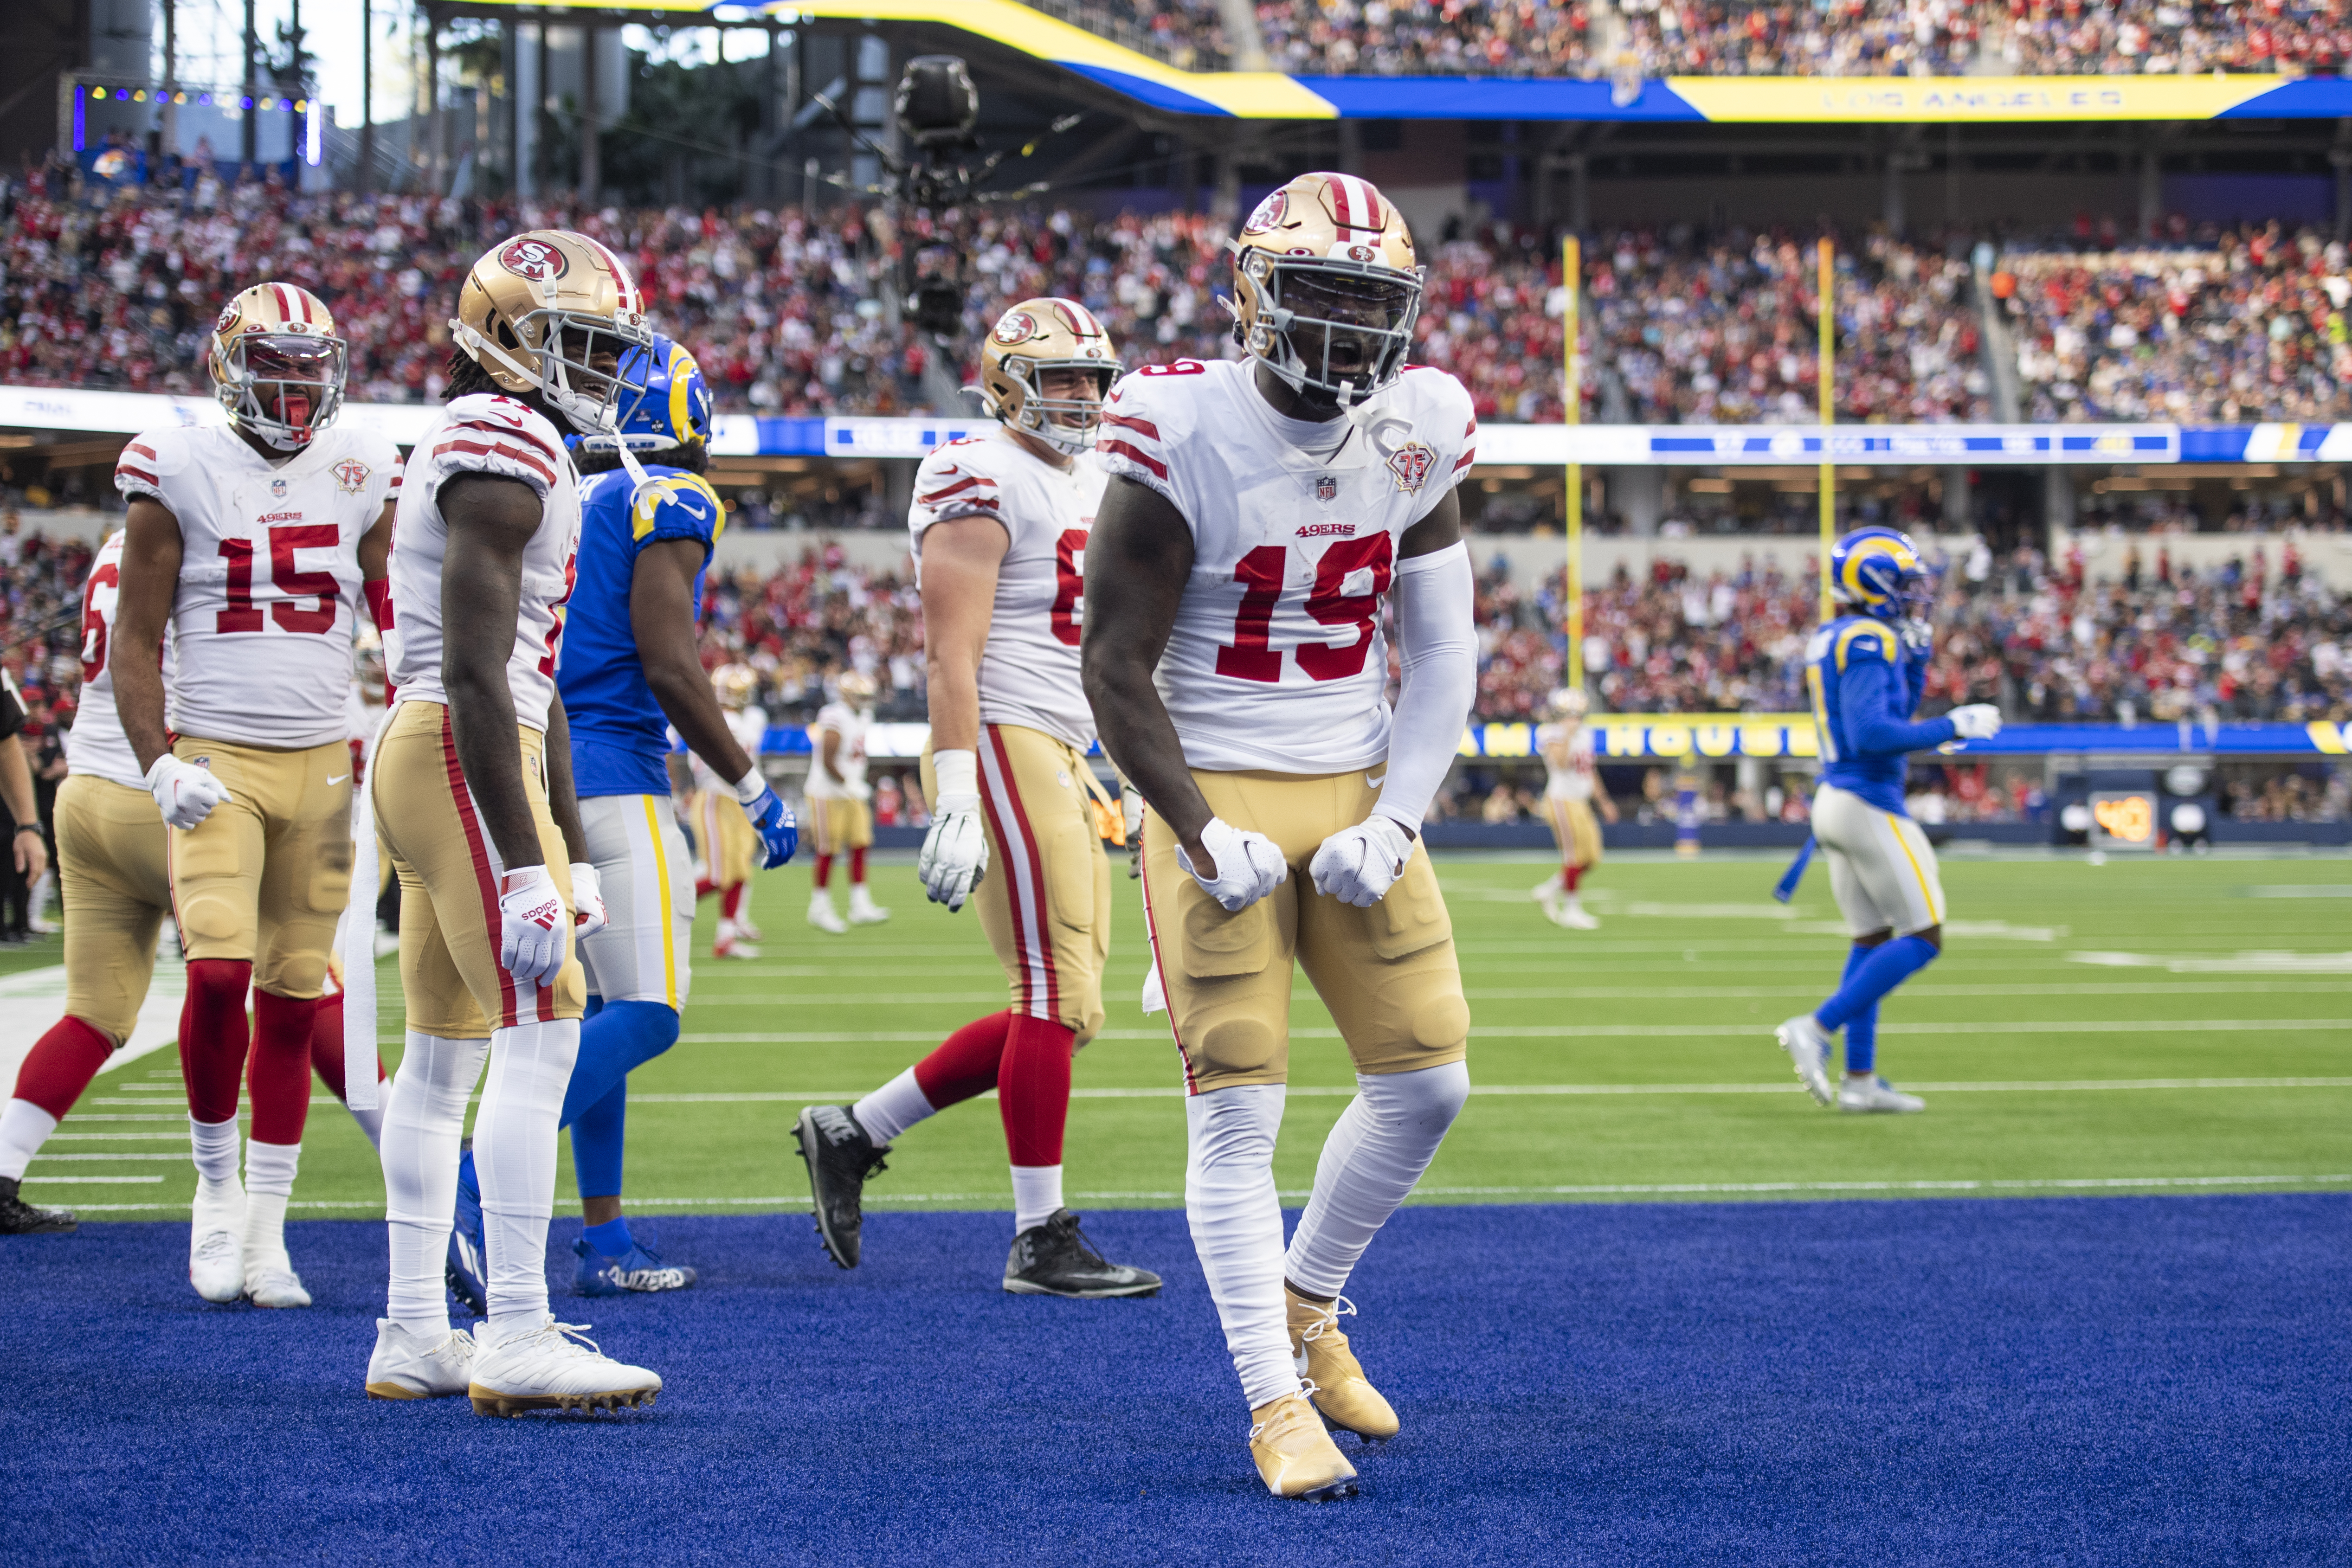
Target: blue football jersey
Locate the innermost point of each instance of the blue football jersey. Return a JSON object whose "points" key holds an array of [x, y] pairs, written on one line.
{"points": [[619, 737], [1864, 685]]}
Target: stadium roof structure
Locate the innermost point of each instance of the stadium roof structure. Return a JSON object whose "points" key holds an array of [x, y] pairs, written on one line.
{"points": [[1692, 100]]}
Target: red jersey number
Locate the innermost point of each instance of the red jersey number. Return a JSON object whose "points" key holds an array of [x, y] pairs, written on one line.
{"points": [[93, 624], [1069, 583], [1261, 573], [555, 630], [244, 616]]}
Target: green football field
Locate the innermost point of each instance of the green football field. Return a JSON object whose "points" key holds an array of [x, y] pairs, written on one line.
{"points": [[2149, 1026]]}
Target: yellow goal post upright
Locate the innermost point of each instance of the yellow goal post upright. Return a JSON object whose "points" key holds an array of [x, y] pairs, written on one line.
{"points": [[1571, 277], [1825, 289]]}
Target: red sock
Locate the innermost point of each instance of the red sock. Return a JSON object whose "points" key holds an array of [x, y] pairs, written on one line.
{"points": [[857, 868], [965, 1063], [730, 903], [824, 875], [1034, 1090], [213, 1035], [61, 1064], [1571, 876], [703, 890], [278, 1073], [327, 1045]]}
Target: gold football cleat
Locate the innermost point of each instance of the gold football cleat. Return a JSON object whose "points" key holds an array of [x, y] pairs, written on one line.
{"points": [[1347, 1400], [1294, 1455]]}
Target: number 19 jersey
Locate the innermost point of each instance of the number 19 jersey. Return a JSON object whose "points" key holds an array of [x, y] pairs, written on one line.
{"points": [[1029, 666], [1276, 660]]}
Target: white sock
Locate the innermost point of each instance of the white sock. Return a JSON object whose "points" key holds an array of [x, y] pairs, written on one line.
{"points": [[889, 1110], [269, 1184], [23, 1128], [424, 1120], [1377, 1150], [213, 1144], [1236, 1221], [726, 931], [1036, 1194], [514, 1154]]}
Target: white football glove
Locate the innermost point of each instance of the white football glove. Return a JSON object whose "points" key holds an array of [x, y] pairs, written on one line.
{"points": [[183, 792], [955, 851], [1131, 812], [1977, 721], [1917, 635], [1249, 865], [531, 925], [588, 917], [1358, 865]]}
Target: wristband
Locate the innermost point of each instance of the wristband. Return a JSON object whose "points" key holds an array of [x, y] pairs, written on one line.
{"points": [[751, 787], [958, 773], [28, 827]]}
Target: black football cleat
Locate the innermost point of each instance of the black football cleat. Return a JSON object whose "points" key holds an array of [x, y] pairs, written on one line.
{"points": [[18, 1217], [840, 1157], [1056, 1259]]}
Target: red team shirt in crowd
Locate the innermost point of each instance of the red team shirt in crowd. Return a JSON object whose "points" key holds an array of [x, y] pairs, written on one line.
{"points": [[1276, 660]]}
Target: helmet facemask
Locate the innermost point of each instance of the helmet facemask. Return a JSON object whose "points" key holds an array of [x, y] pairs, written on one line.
{"points": [[1335, 329], [573, 357], [283, 387], [1066, 423]]}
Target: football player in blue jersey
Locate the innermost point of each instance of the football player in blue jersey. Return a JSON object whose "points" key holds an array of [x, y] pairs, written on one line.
{"points": [[1865, 670], [630, 661]]}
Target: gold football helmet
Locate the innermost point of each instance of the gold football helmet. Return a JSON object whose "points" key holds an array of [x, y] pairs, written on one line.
{"points": [[553, 311], [735, 683], [1568, 702], [1032, 338], [1326, 286], [276, 365], [856, 688]]}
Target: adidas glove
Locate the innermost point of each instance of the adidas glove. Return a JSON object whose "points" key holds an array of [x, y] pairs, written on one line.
{"points": [[1918, 637], [1358, 865], [1131, 812], [1977, 721], [588, 917], [531, 925], [185, 792], [955, 851], [1249, 865], [779, 830]]}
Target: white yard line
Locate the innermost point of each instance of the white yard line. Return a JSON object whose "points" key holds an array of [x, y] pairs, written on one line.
{"points": [[33, 999], [1601, 1031]]}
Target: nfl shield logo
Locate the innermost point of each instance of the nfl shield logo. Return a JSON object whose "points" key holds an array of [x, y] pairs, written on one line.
{"points": [[1327, 487], [278, 488]]}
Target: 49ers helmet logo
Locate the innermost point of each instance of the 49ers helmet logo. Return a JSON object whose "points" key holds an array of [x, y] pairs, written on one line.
{"points": [[1270, 212], [1410, 464], [534, 260], [1017, 327]]}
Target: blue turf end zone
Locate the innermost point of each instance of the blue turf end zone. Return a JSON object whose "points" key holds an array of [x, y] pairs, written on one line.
{"points": [[2129, 1381]]}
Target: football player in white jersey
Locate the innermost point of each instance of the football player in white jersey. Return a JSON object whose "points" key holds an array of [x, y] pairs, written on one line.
{"points": [[999, 528], [840, 821], [731, 848], [471, 786], [253, 540], [1572, 789], [1258, 512]]}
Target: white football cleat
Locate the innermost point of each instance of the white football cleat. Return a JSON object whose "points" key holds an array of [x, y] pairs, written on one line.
{"points": [[275, 1285], [1808, 1045], [1875, 1095], [822, 913], [728, 947], [1546, 891], [1572, 914], [863, 910], [554, 1366], [748, 932], [406, 1366], [216, 1241]]}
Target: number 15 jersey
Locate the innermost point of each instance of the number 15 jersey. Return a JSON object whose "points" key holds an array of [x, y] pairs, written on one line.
{"points": [[1029, 666], [1276, 660]]}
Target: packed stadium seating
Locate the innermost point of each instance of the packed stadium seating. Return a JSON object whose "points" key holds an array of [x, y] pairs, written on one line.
{"points": [[1637, 38]]}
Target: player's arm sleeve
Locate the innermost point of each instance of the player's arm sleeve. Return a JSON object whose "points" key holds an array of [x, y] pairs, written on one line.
{"points": [[1451, 464], [1437, 645], [12, 707], [1877, 723], [481, 438], [678, 507], [954, 482], [147, 464], [1130, 443]]}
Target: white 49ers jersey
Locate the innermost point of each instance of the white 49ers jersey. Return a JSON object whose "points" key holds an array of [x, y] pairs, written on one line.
{"points": [[507, 440], [1568, 753], [1029, 666], [749, 725], [849, 762], [1276, 660], [96, 744], [269, 572]]}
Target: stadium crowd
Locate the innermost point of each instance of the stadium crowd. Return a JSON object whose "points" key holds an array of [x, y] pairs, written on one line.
{"points": [[1631, 39]]}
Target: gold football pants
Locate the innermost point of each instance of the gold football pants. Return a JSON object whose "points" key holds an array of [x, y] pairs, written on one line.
{"points": [[113, 873], [265, 877]]}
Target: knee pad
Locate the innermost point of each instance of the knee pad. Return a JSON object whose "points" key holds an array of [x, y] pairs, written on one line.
{"points": [[213, 917]]}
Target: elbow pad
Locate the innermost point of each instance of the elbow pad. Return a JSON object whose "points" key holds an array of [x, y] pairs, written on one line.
{"points": [[1437, 647]]}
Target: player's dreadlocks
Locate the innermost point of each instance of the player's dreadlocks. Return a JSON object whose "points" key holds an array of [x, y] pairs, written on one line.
{"points": [[466, 377]]}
